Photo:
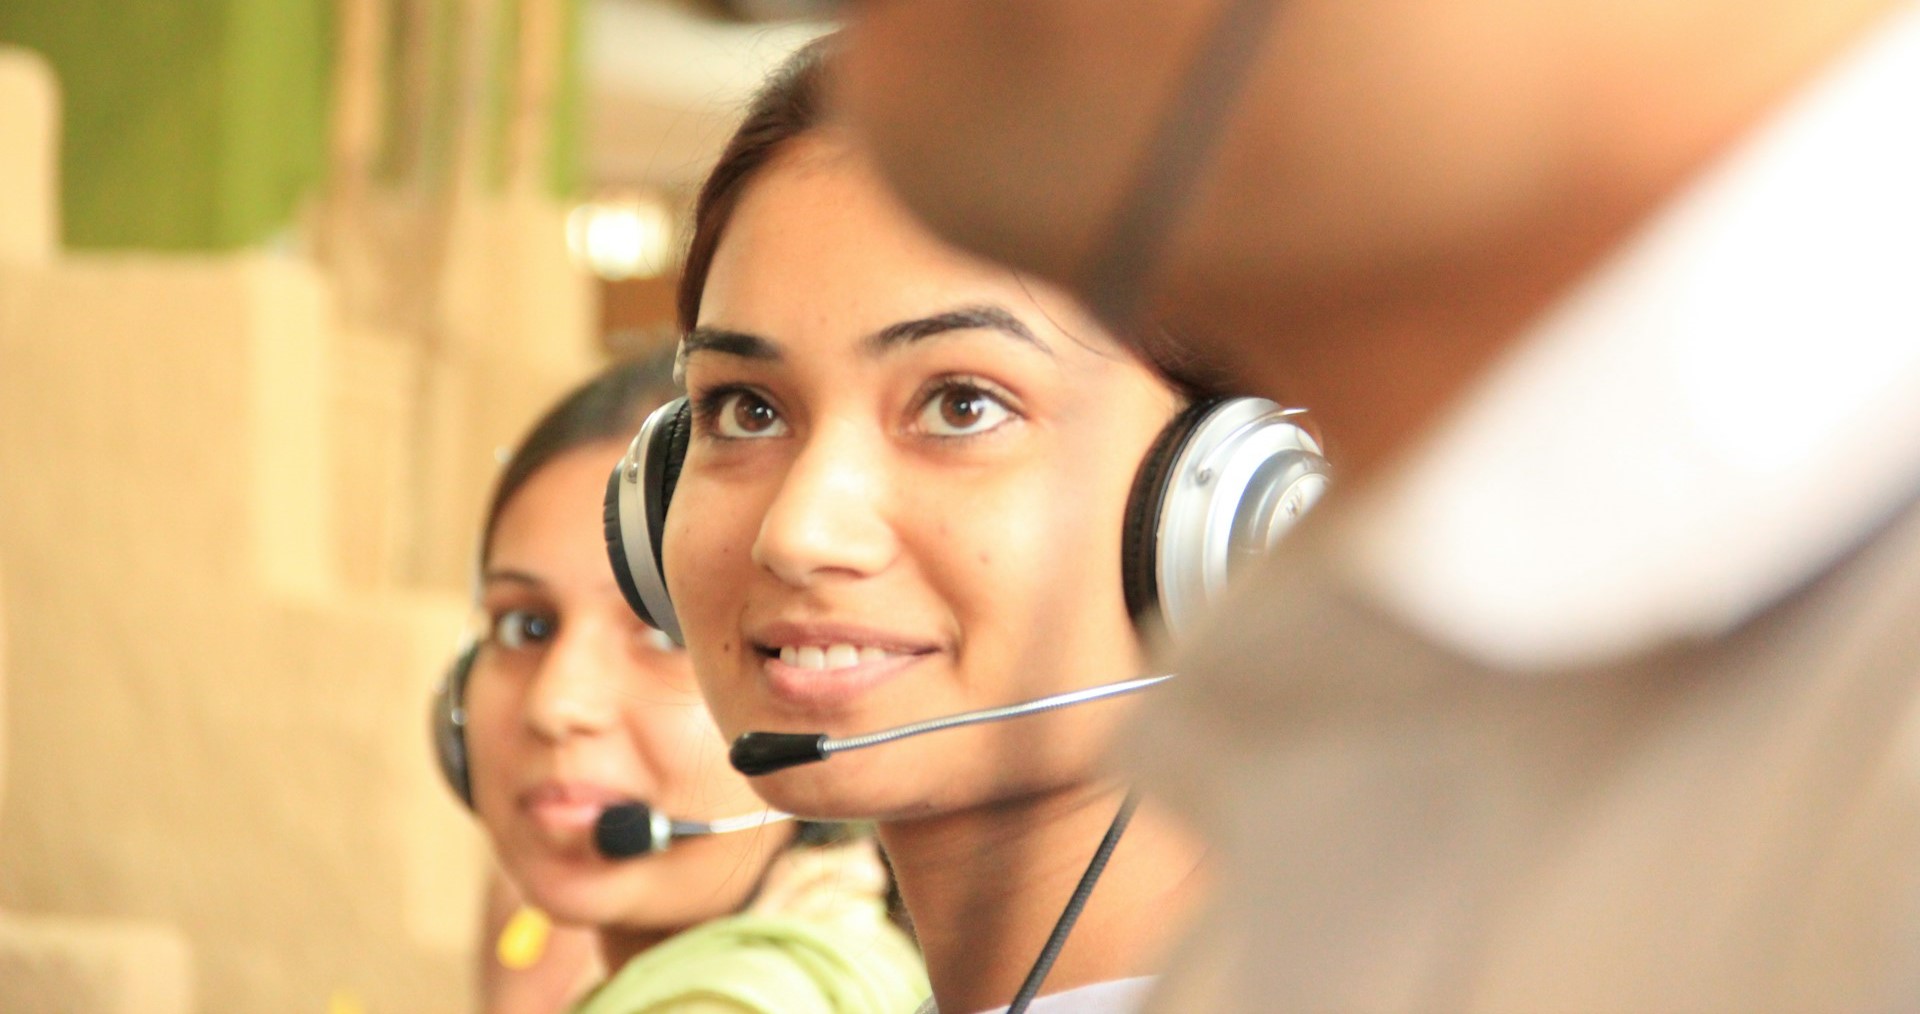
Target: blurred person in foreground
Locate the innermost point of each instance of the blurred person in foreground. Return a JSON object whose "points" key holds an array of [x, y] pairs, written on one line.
{"points": [[1594, 687], [570, 706]]}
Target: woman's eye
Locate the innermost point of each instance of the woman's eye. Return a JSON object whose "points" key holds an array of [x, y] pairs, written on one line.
{"points": [[744, 415], [521, 628], [960, 410]]}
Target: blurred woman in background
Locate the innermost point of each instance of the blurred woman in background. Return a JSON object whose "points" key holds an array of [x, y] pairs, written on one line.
{"points": [[570, 706]]}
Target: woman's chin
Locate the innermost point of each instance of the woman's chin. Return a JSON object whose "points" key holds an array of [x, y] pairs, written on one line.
{"points": [[805, 794], [588, 905], [569, 906], [841, 790], [573, 889]]}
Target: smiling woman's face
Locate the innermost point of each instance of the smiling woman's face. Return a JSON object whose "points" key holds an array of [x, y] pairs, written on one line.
{"points": [[574, 704], [903, 498]]}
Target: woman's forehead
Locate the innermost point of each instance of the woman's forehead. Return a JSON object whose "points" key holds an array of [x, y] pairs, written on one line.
{"points": [[819, 251], [826, 230]]}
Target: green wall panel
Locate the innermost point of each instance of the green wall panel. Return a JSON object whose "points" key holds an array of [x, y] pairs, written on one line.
{"points": [[188, 124], [202, 124]]}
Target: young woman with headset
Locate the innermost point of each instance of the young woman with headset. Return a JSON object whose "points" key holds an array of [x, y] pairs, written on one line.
{"points": [[909, 485], [578, 737]]}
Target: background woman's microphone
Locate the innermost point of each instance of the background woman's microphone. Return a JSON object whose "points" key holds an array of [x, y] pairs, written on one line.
{"points": [[760, 753], [629, 830]]}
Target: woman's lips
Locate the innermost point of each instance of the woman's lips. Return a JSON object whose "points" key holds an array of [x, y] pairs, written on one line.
{"points": [[821, 678], [823, 665], [568, 806]]}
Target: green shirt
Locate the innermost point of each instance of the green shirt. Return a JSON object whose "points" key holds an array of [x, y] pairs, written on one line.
{"points": [[856, 963]]}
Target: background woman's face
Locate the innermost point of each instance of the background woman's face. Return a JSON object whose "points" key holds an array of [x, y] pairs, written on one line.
{"points": [[574, 704], [903, 498]]}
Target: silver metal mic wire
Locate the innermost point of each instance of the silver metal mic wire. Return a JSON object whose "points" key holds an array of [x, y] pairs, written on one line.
{"points": [[727, 825], [1071, 697]]}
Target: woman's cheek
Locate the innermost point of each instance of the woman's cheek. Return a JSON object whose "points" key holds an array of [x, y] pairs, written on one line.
{"points": [[699, 555], [721, 682], [1038, 547]]}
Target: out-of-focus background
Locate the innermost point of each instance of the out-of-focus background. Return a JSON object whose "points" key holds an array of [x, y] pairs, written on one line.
{"points": [[278, 280]]}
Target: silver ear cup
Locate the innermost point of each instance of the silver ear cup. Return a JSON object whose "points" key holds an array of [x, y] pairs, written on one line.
{"points": [[1283, 488], [1246, 474], [635, 515]]}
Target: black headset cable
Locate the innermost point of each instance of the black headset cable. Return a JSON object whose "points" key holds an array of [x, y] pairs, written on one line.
{"points": [[1071, 914]]}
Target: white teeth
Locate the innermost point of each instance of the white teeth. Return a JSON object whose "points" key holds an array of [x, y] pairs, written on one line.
{"points": [[832, 656]]}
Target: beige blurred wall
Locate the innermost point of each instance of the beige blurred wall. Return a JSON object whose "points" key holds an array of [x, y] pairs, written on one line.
{"points": [[235, 532], [28, 110]]}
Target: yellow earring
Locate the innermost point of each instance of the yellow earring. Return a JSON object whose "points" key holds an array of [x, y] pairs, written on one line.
{"points": [[524, 938]]}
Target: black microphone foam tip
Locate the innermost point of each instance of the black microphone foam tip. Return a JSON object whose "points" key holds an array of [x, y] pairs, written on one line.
{"points": [[624, 830], [761, 753]]}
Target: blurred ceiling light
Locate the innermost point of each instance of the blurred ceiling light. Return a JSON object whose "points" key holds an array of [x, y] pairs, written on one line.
{"points": [[622, 236]]}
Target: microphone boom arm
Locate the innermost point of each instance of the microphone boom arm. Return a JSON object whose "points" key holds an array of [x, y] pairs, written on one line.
{"points": [[728, 825], [759, 753]]}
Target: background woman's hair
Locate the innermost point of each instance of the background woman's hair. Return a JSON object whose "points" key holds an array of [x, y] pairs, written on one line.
{"points": [[609, 406]]}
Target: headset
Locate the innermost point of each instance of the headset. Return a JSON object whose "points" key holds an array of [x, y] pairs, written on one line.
{"points": [[448, 722], [1223, 482]]}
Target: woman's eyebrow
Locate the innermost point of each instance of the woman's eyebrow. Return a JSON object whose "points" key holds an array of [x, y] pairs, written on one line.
{"points": [[984, 316], [512, 577], [732, 343]]}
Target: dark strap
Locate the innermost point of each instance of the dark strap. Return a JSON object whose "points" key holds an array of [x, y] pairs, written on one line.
{"points": [[1114, 282], [1071, 914]]}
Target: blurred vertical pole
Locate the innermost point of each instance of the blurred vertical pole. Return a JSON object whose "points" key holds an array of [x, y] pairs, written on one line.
{"points": [[353, 149], [476, 27], [416, 91], [531, 103], [3, 688]]}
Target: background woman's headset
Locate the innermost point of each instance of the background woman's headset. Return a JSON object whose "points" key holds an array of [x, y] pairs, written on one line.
{"points": [[449, 723], [1223, 482]]}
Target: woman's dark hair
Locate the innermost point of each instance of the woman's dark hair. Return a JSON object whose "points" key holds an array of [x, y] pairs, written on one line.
{"points": [[788, 106], [609, 406]]}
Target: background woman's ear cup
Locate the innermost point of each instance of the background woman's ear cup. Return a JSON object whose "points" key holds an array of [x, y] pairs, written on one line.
{"points": [[449, 725]]}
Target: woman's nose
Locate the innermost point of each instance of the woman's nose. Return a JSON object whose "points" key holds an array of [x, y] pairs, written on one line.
{"points": [[829, 517], [576, 691]]}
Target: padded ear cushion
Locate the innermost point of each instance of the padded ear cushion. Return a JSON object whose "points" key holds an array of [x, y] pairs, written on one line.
{"points": [[668, 455], [666, 434], [1139, 533], [449, 725], [617, 548]]}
